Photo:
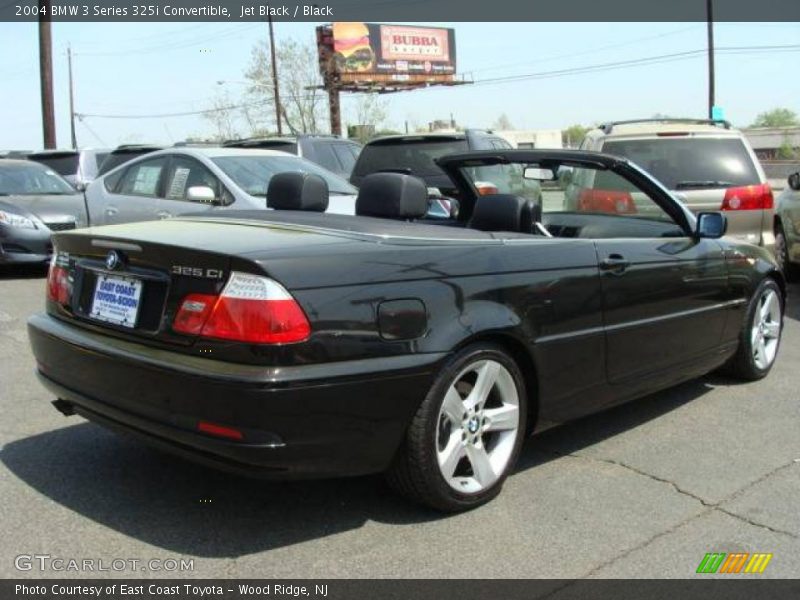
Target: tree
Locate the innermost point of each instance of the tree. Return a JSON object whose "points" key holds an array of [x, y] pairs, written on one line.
{"points": [[503, 123], [786, 151], [573, 135], [223, 115], [777, 117], [370, 112], [302, 104]]}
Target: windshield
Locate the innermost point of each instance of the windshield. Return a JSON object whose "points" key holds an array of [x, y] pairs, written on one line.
{"points": [[690, 162], [63, 164], [416, 155], [252, 173], [31, 179]]}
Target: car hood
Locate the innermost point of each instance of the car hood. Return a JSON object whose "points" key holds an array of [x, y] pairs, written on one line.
{"points": [[48, 208]]}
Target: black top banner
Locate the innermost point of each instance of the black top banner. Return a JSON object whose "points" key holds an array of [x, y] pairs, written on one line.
{"points": [[408, 11]]}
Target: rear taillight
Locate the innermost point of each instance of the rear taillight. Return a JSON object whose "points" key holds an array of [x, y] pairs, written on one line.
{"points": [[748, 197], [250, 309], [58, 287], [606, 201]]}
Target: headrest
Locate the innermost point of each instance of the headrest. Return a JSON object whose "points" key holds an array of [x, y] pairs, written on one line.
{"points": [[297, 191], [505, 212], [392, 196]]}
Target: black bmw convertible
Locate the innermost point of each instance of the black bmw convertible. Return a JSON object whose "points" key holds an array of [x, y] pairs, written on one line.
{"points": [[293, 343]]}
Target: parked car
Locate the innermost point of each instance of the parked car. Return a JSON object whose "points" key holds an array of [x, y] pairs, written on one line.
{"points": [[417, 154], [787, 227], [179, 180], [122, 154], [709, 164], [332, 152], [300, 344], [78, 167], [19, 154], [34, 202]]}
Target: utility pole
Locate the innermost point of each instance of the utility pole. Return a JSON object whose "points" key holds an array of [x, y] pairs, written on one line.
{"points": [[46, 75], [71, 101], [275, 90], [710, 19]]}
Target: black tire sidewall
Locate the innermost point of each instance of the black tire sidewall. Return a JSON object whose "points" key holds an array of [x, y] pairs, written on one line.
{"points": [[445, 494]]}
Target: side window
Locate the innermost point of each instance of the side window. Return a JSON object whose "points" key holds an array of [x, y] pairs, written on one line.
{"points": [[112, 181], [591, 203], [142, 179], [184, 173], [344, 153]]}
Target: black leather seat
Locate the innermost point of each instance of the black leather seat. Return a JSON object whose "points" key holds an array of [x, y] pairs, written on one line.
{"points": [[505, 212], [297, 191], [392, 196]]}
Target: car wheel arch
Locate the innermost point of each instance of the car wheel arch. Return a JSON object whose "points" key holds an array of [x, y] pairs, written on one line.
{"points": [[518, 351]]}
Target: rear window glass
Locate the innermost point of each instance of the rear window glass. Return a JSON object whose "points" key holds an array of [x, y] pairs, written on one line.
{"points": [[116, 159], [418, 156], [99, 158], [63, 165], [679, 162]]}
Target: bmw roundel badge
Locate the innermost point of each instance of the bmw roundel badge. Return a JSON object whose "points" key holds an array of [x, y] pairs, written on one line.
{"points": [[113, 260]]}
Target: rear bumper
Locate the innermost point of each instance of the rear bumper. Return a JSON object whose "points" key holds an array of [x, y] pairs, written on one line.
{"points": [[338, 419]]}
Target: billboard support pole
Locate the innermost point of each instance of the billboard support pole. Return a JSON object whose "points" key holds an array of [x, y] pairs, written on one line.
{"points": [[335, 107]]}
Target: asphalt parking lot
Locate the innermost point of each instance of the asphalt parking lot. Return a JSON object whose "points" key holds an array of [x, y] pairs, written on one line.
{"points": [[644, 490]]}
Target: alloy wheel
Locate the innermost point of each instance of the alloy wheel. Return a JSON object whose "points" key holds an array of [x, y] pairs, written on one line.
{"points": [[766, 330], [478, 425]]}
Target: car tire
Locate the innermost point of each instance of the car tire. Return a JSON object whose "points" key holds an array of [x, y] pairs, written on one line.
{"points": [[760, 336], [790, 270], [466, 435]]}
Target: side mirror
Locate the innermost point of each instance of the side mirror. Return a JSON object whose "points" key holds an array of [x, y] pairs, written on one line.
{"points": [[81, 186], [711, 225], [794, 181], [202, 194]]}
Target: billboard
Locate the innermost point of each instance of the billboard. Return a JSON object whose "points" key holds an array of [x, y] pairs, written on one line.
{"points": [[375, 51]]}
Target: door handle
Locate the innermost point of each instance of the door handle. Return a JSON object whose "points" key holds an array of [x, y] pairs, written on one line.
{"points": [[615, 264], [163, 214], [111, 211]]}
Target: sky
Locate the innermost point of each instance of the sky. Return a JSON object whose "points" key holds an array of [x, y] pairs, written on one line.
{"points": [[128, 68]]}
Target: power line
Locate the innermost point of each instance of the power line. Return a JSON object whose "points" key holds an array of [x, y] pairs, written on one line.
{"points": [[190, 112], [585, 52], [178, 45], [644, 61]]}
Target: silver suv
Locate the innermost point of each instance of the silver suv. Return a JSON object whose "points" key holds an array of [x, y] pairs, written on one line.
{"points": [[707, 164]]}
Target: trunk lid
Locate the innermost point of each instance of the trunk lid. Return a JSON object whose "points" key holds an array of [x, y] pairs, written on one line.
{"points": [[129, 280]]}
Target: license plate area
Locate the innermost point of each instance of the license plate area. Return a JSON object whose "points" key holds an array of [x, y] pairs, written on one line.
{"points": [[116, 300]]}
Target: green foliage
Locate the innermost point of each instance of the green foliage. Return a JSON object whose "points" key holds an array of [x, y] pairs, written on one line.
{"points": [[573, 135], [777, 117]]}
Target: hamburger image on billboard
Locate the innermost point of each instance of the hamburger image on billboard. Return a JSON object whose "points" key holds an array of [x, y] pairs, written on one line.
{"points": [[383, 48], [351, 47]]}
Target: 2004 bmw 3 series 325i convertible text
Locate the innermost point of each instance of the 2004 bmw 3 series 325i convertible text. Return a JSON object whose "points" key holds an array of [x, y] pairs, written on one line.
{"points": [[294, 343]]}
